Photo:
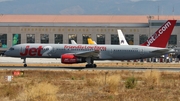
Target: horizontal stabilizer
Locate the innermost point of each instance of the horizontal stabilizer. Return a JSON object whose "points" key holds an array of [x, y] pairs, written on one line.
{"points": [[164, 51]]}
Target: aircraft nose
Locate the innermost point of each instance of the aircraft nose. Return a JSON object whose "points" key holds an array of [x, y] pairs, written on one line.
{"points": [[6, 53]]}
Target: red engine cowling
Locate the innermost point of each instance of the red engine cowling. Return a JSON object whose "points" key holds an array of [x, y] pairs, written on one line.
{"points": [[70, 59]]}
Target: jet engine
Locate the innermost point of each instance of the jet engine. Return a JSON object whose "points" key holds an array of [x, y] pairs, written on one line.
{"points": [[70, 59]]}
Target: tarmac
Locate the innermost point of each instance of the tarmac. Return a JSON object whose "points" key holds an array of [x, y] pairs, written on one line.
{"points": [[9, 61]]}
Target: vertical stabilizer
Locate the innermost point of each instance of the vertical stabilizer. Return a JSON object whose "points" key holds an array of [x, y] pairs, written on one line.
{"points": [[161, 37], [122, 40], [90, 41], [73, 42]]}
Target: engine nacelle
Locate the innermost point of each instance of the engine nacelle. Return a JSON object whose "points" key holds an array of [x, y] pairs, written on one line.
{"points": [[70, 59]]}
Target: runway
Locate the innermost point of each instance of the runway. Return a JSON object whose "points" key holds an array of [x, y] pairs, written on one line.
{"points": [[8, 63], [173, 69], [38, 60]]}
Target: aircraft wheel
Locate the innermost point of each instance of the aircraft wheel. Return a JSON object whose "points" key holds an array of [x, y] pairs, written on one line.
{"points": [[88, 65], [94, 65], [25, 65], [91, 66]]}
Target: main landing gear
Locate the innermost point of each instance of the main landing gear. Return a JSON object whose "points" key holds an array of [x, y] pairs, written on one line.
{"points": [[25, 65], [90, 65], [90, 62]]}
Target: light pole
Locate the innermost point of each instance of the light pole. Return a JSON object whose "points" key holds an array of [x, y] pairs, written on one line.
{"points": [[149, 20]]}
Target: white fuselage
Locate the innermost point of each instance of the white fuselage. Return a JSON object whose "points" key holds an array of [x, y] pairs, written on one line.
{"points": [[107, 52]]}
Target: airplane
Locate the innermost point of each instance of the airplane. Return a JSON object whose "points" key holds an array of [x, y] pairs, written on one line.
{"points": [[91, 42], [122, 39], [81, 53], [73, 42]]}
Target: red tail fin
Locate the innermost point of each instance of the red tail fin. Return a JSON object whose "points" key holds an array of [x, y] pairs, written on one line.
{"points": [[161, 37]]}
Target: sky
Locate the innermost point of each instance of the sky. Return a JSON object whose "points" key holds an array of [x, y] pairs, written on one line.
{"points": [[91, 7]]}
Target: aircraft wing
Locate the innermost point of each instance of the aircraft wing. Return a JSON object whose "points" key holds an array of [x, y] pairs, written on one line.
{"points": [[88, 54], [163, 51]]}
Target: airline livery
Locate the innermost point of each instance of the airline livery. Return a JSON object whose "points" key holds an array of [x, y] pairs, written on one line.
{"points": [[81, 53], [160, 35], [122, 40], [90, 41]]}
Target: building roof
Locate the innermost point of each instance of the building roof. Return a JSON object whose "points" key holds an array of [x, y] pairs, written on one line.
{"points": [[81, 18]]}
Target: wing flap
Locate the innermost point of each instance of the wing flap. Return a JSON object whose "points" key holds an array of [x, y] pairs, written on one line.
{"points": [[163, 51], [94, 53]]}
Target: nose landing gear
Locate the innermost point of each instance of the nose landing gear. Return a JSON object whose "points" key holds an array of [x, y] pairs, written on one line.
{"points": [[25, 65]]}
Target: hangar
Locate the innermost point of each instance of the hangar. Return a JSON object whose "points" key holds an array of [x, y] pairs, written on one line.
{"points": [[17, 29]]}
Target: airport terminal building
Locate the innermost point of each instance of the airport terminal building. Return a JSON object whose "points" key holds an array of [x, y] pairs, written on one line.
{"points": [[60, 29]]}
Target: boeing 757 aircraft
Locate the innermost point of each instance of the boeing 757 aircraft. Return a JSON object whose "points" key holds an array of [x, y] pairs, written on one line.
{"points": [[81, 53]]}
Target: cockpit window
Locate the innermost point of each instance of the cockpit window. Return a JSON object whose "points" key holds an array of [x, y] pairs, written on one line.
{"points": [[11, 48]]}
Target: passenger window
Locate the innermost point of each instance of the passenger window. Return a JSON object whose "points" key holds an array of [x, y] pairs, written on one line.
{"points": [[11, 49]]}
